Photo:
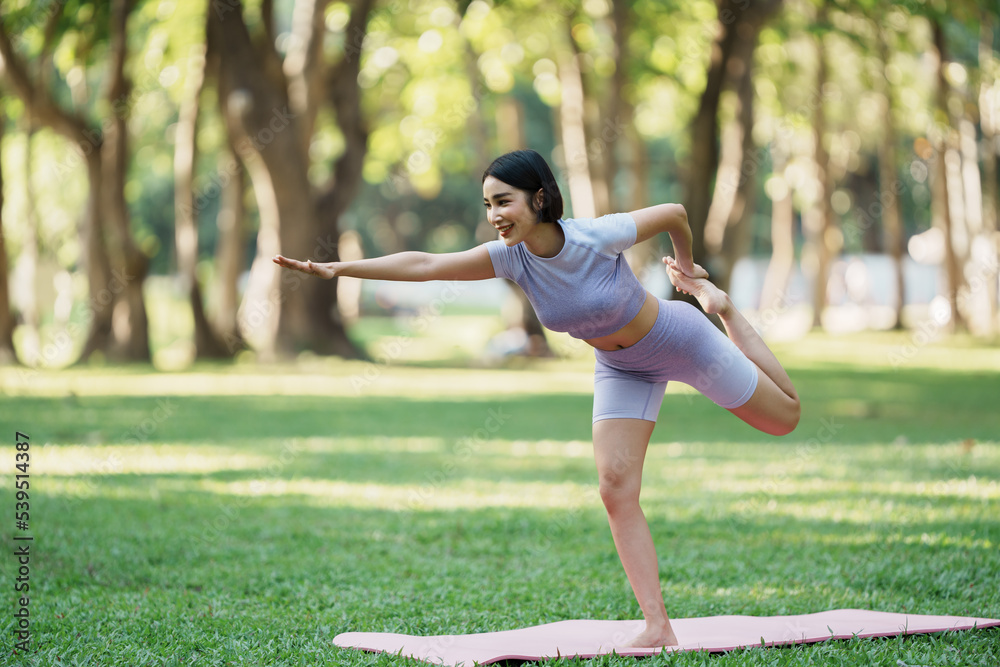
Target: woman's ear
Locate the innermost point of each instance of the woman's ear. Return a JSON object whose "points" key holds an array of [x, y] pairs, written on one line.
{"points": [[539, 199]]}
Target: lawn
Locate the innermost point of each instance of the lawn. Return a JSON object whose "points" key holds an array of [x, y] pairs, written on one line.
{"points": [[244, 515]]}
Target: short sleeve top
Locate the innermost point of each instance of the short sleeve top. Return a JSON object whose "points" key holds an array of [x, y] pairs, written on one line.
{"points": [[588, 289]]}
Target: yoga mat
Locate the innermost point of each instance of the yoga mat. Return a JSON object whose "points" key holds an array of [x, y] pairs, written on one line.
{"points": [[589, 638]]}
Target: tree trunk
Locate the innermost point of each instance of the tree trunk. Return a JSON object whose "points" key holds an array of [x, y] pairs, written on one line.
{"points": [[286, 312], [118, 326], [973, 298], [644, 258], [889, 182], [510, 134], [820, 224], [736, 23], [344, 95], [941, 192], [229, 251], [574, 135], [207, 344], [773, 297], [31, 346], [102, 284], [476, 122], [303, 65], [129, 324], [727, 226], [988, 120], [7, 324], [620, 111]]}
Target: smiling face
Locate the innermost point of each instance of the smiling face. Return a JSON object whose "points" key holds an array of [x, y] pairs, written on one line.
{"points": [[509, 210]]}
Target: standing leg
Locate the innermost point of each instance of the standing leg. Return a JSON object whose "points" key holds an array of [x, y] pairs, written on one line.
{"points": [[619, 450], [774, 407]]}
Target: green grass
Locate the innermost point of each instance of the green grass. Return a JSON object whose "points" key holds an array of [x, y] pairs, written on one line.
{"points": [[241, 515]]}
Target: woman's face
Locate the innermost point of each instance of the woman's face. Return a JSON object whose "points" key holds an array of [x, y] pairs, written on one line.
{"points": [[508, 210]]}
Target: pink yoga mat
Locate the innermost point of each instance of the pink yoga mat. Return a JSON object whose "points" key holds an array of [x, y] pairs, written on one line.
{"points": [[586, 639]]}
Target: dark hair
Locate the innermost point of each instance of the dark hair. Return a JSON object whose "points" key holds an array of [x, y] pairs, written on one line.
{"points": [[527, 170]]}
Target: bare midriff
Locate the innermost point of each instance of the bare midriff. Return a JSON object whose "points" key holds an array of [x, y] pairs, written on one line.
{"points": [[631, 333]]}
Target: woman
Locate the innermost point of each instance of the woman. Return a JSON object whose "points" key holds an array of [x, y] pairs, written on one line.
{"points": [[574, 274]]}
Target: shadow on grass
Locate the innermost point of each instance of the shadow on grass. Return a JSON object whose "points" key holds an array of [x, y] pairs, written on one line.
{"points": [[882, 406]]}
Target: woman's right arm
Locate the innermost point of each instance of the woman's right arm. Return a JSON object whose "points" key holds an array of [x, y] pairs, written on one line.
{"points": [[412, 266]]}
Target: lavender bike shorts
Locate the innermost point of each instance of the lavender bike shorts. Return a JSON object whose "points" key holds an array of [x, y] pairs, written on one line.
{"points": [[682, 345]]}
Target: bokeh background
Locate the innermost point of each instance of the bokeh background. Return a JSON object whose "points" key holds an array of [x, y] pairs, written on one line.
{"points": [[838, 161]]}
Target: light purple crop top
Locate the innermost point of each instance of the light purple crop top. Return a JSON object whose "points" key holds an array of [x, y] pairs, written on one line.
{"points": [[588, 289]]}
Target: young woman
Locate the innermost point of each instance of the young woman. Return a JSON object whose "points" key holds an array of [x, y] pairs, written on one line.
{"points": [[574, 274]]}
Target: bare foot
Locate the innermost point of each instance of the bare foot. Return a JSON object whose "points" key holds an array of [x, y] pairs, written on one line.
{"points": [[711, 298], [653, 637]]}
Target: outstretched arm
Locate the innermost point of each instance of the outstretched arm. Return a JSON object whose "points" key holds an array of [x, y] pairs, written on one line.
{"points": [[672, 219], [473, 264]]}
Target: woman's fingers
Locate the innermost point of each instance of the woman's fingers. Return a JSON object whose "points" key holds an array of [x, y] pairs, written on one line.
{"points": [[288, 263]]}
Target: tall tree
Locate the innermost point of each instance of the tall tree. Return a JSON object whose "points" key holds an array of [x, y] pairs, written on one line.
{"points": [[271, 124], [727, 225], [115, 267], [782, 262], [207, 342], [888, 177], [229, 251], [942, 197], [130, 307], [737, 26], [989, 110], [7, 324], [572, 124], [819, 220]]}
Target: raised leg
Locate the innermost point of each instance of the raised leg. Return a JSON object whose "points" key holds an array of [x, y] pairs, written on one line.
{"points": [[619, 450], [774, 408]]}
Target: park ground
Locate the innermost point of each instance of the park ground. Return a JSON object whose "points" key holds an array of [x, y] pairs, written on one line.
{"points": [[244, 514]]}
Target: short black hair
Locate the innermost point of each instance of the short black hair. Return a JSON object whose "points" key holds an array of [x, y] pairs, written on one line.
{"points": [[527, 170]]}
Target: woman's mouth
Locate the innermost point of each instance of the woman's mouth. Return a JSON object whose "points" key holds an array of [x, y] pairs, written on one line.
{"points": [[505, 229]]}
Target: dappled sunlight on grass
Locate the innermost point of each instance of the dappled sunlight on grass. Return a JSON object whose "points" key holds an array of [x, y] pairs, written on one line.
{"points": [[889, 350], [969, 488], [465, 494], [159, 459], [446, 499], [324, 378]]}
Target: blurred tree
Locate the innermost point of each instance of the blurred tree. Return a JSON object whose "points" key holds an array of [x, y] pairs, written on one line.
{"points": [[989, 119], [727, 223], [28, 257], [229, 250], [271, 107], [7, 354], [116, 268], [738, 25], [773, 294], [819, 222], [945, 140], [888, 171], [572, 126], [208, 342]]}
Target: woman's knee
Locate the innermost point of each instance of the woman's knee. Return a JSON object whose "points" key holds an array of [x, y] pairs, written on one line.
{"points": [[618, 492]]}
